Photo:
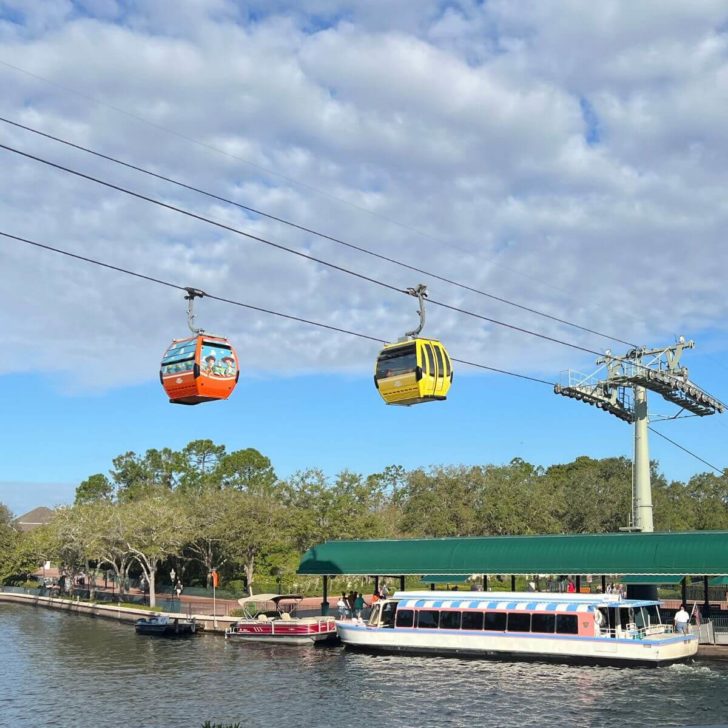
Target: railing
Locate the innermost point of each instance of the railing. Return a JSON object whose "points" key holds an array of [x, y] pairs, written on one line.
{"points": [[720, 624]]}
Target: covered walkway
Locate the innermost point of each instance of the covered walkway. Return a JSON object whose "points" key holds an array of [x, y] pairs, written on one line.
{"points": [[703, 553]]}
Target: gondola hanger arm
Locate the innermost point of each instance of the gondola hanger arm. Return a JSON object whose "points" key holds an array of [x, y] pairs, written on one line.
{"points": [[192, 294], [420, 292]]}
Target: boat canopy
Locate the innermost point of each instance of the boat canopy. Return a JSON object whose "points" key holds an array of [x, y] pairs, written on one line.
{"points": [[275, 598], [515, 601]]}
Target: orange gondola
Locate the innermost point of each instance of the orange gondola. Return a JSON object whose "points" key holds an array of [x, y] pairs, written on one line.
{"points": [[200, 368]]}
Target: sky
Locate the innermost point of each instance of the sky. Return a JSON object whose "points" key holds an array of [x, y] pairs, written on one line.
{"points": [[565, 156]]}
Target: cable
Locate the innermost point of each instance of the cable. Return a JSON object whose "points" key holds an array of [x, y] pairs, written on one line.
{"points": [[237, 231], [217, 150], [324, 236], [684, 449], [298, 319]]}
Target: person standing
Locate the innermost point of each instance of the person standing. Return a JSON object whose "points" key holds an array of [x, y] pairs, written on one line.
{"points": [[358, 604], [682, 620]]}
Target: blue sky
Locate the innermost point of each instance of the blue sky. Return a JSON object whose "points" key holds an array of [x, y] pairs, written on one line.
{"points": [[458, 137]]}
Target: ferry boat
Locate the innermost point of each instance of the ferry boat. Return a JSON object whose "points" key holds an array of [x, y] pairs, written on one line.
{"points": [[601, 628], [271, 618]]}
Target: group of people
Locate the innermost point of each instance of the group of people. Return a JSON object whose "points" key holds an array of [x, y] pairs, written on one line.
{"points": [[352, 605]]}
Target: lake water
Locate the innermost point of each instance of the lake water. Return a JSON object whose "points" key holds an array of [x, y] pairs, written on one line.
{"points": [[67, 670]]}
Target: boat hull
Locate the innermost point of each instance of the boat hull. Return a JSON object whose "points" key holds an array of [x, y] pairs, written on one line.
{"points": [[174, 628], [304, 631], [567, 649]]}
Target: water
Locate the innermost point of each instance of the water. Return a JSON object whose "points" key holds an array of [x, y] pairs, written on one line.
{"points": [[67, 670]]}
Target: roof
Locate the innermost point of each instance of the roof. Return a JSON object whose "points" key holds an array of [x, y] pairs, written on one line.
{"points": [[275, 598], [718, 581], [445, 578], [652, 579], [514, 601], [701, 552], [32, 519]]}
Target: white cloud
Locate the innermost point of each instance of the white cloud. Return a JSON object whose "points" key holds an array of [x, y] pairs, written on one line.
{"points": [[460, 127]]}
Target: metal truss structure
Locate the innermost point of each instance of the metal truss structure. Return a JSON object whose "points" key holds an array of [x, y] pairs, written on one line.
{"points": [[619, 386]]}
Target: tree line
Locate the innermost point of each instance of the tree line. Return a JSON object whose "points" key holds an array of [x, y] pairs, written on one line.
{"points": [[203, 507]]}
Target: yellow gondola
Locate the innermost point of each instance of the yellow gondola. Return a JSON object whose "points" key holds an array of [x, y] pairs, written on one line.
{"points": [[414, 370]]}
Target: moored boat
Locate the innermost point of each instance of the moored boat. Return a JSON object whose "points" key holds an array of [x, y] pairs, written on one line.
{"points": [[601, 628], [272, 618], [163, 626]]}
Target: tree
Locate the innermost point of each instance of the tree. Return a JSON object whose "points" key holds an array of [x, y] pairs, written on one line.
{"points": [[153, 529], [95, 488], [9, 539], [255, 526], [199, 461], [247, 470]]}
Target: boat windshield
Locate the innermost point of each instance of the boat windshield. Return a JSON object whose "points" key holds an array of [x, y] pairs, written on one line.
{"points": [[374, 616], [653, 615]]}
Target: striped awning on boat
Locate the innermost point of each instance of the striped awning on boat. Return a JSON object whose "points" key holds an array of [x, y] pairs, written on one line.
{"points": [[498, 605]]}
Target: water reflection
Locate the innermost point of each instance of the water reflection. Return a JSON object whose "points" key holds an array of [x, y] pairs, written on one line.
{"points": [[67, 670]]}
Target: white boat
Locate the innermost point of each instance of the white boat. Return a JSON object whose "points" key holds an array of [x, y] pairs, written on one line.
{"points": [[600, 628], [272, 618]]}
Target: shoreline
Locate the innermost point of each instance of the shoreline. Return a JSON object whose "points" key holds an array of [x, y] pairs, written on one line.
{"points": [[206, 622]]}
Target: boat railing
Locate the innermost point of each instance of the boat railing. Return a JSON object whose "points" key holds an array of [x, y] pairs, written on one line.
{"points": [[633, 632]]}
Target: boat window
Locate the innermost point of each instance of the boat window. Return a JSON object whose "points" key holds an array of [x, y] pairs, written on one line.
{"points": [[543, 623], [472, 620], [374, 615], [624, 617], [388, 611], [495, 621], [397, 361], [567, 624], [405, 618], [519, 622], [653, 614], [429, 618], [640, 618], [449, 620]]}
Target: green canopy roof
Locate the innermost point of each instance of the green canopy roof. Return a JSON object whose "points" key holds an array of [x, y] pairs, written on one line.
{"points": [[445, 578], [703, 553], [651, 579], [718, 581]]}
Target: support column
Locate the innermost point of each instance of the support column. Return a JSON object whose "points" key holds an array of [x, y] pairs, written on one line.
{"points": [[706, 602], [578, 584], [513, 582], [325, 600], [604, 584], [401, 583], [641, 486], [376, 584], [684, 590], [485, 582]]}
